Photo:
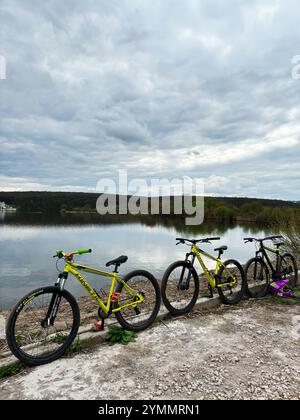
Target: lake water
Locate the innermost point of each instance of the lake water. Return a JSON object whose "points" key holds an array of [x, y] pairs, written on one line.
{"points": [[28, 243]]}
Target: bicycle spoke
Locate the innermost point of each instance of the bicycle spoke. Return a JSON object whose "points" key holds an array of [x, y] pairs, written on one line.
{"points": [[35, 340], [231, 282], [180, 288], [138, 315]]}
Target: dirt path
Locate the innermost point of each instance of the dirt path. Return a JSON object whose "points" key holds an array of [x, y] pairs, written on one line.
{"points": [[250, 352]]}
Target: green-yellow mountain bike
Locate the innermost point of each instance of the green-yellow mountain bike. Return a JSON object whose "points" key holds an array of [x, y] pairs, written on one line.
{"points": [[44, 324], [180, 285]]}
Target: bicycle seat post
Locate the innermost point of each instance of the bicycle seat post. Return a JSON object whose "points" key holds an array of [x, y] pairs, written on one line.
{"points": [[116, 270]]}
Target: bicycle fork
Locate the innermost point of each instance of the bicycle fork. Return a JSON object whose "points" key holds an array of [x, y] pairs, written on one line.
{"points": [[258, 276], [55, 301], [185, 285]]}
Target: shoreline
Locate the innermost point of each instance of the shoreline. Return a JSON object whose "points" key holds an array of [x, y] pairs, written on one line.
{"points": [[235, 220]]}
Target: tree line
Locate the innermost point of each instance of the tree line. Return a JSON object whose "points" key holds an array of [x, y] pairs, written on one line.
{"points": [[227, 209]]}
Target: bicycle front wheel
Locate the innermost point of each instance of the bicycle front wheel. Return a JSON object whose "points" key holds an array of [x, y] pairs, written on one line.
{"points": [[257, 278], [37, 337], [143, 315], [231, 272], [289, 269], [180, 288]]}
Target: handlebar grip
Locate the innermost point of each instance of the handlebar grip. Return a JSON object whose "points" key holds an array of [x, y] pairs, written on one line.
{"points": [[59, 254], [83, 251]]}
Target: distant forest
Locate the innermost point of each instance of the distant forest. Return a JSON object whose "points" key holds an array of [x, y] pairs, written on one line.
{"points": [[220, 208]]}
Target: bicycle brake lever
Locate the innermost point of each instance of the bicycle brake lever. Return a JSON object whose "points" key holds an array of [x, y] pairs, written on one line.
{"points": [[59, 256]]}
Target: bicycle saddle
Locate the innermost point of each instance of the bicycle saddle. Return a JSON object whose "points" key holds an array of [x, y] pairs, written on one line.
{"points": [[118, 261], [222, 248]]}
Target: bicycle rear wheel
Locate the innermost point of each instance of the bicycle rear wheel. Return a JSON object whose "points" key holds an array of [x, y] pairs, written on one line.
{"points": [[289, 269], [231, 271], [180, 288], [28, 334], [139, 318], [257, 278]]}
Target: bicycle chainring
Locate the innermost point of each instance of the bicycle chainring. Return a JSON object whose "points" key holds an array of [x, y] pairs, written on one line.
{"points": [[102, 315]]}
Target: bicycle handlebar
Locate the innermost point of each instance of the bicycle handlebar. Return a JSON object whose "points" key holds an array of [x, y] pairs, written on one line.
{"points": [[61, 254], [268, 238], [196, 241]]}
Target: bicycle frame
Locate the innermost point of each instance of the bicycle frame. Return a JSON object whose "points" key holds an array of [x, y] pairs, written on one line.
{"points": [[263, 250], [74, 269], [197, 253]]}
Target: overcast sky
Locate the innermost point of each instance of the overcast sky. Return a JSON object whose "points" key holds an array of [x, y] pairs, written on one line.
{"points": [[163, 88]]}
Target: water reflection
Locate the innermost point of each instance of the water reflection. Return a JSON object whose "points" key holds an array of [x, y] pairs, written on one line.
{"points": [[28, 242]]}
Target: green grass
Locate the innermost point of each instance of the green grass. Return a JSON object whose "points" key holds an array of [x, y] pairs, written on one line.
{"points": [[78, 347], [11, 370], [117, 335], [285, 301], [59, 339], [84, 346]]}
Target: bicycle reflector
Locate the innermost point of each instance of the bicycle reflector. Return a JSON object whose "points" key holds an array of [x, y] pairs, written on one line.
{"points": [[115, 297]]}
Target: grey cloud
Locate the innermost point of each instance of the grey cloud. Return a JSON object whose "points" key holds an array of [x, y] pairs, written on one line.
{"points": [[149, 86]]}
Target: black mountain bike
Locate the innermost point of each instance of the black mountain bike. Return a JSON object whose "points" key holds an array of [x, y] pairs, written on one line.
{"points": [[262, 269]]}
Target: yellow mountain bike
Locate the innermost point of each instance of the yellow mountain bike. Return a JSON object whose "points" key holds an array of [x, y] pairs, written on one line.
{"points": [[44, 324], [180, 285]]}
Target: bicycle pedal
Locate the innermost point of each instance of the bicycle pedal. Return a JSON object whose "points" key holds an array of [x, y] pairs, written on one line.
{"points": [[137, 311], [208, 296]]}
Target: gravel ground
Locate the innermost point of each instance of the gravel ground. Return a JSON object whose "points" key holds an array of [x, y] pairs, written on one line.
{"points": [[245, 352]]}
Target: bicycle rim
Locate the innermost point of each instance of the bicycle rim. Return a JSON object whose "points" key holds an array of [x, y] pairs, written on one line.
{"points": [[180, 289], [289, 270], [231, 272], [28, 336], [258, 279], [141, 316]]}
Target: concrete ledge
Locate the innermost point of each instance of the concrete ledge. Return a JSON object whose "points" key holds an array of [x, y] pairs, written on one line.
{"points": [[86, 333]]}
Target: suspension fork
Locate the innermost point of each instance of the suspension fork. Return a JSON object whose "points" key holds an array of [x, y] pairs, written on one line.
{"points": [[255, 266], [260, 255], [55, 301], [186, 285]]}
